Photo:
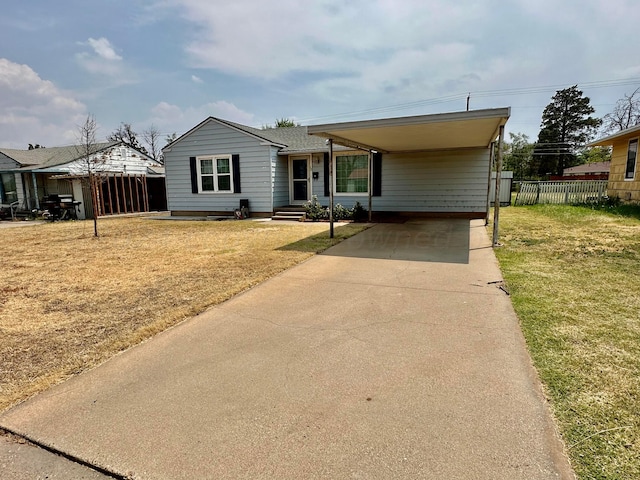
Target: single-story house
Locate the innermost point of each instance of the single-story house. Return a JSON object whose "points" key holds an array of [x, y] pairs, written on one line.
{"points": [[127, 180], [624, 179], [430, 164], [587, 171]]}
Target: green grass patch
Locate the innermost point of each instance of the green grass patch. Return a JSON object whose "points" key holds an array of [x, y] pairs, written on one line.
{"points": [[574, 278]]}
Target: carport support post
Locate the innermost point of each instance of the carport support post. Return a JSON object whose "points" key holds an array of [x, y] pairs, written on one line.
{"points": [[492, 149], [330, 188], [496, 201], [370, 182]]}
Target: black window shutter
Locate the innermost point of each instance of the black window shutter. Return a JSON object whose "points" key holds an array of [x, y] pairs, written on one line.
{"points": [[235, 162], [377, 175], [326, 174], [194, 175]]}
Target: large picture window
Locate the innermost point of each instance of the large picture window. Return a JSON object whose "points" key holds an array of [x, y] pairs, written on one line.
{"points": [[632, 155], [215, 174], [352, 174]]}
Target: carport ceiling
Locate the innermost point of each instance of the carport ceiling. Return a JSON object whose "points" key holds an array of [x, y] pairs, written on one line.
{"points": [[443, 131]]}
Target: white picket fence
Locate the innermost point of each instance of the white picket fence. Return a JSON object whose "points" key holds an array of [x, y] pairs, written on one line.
{"points": [[579, 191]]}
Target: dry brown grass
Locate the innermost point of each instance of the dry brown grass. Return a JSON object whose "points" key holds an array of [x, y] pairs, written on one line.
{"points": [[69, 301]]}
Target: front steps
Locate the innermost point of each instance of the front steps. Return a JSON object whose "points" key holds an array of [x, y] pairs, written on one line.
{"points": [[292, 214]]}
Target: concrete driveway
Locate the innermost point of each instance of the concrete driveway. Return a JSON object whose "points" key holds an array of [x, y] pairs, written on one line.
{"points": [[394, 355]]}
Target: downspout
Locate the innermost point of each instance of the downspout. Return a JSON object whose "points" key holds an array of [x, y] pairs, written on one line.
{"points": [[330, 188], [35, 190], [496, 203]]}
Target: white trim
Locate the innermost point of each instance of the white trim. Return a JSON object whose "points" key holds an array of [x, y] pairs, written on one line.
{"points": [[635, 161], [215, 175], [309, 160], [335, 173]]}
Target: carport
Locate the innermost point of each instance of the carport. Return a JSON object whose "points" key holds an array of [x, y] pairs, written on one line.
{"points": [[458, 132]]}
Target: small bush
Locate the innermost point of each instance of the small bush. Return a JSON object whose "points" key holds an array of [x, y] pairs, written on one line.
{"points": [[342, 213], [360, 214], [315, 211]]}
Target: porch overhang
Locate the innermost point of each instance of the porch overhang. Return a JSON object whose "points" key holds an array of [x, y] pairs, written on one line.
{"points": [[444, 131]]}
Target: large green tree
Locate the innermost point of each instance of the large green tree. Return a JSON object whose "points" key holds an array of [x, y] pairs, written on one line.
{"points": [[567, 124], [518, 157]]}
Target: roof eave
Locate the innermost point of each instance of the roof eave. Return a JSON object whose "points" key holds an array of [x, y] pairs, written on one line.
{"points": [[608, 140]]}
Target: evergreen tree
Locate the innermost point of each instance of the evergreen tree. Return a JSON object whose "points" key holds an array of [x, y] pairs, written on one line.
{"points": [[566, 126]]}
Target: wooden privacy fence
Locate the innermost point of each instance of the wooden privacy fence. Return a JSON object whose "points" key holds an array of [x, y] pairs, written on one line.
{"points": [[581, 191]]}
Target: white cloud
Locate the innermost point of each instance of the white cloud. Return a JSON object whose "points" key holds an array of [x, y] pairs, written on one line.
{"points": [[172, 117], [103, 48], [104, 61], [35, 110], [196, 79]]}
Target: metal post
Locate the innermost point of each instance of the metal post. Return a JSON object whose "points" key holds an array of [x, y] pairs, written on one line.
{"points": [[35, 190], [330, 188], [370, 183], [496, 203], [491, 157]]}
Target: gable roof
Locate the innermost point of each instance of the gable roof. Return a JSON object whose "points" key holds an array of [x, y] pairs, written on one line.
{"points": [[288, 139], [50, 157]]}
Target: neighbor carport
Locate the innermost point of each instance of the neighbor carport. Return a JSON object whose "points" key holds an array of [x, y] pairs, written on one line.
{"points": [[461, 133]]}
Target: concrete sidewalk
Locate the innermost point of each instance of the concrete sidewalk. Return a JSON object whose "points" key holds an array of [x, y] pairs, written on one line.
{"points": [[393, 355]]}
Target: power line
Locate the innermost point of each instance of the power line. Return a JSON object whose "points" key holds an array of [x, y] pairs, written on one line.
{"points": [[478, 94]]}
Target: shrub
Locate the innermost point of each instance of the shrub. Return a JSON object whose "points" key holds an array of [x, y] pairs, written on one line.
{"points": [[314, 210], [360, 214], [342, 213]]}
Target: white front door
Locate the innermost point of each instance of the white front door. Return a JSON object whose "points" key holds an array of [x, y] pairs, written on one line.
{"points": [[299, 180]]}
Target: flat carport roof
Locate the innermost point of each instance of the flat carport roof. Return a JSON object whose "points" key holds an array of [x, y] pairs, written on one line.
{"points": [[443, 131]]}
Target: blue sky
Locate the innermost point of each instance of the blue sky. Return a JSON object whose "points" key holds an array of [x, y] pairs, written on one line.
{"points": [[172, 63]]}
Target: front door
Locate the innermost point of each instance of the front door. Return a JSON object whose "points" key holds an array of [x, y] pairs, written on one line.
{"points": [[300, 186]]}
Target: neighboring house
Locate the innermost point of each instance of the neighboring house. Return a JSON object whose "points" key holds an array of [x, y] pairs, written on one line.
{"points": [[587, 171], [435, 164], [127, 180], [624, 178]]}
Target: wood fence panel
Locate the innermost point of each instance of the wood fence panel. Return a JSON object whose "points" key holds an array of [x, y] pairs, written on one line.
{"points": [[557, 192]]}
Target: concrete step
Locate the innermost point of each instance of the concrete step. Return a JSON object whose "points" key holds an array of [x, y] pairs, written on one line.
{"points": [[288, 215]]}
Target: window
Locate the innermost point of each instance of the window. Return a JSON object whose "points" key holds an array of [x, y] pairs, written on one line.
{"points": [[214, 174], [352, 174], [632, 153], [8, 188]]}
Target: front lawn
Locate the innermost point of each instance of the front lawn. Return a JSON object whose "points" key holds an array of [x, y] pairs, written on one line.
{"points": [[574, 277], [69, 301]]}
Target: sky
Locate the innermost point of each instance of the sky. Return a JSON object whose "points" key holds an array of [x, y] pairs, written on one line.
{"points": [[173, 63]]}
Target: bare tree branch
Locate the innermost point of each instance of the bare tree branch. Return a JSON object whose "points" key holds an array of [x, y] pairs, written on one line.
{"points": [[625, 114], [152, 138]]}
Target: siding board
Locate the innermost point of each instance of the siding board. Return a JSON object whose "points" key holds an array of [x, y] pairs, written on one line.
{"points": [[443, 182], [213, 138]]}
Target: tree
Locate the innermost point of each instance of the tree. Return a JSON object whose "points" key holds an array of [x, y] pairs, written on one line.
{"points": [[595, 155], [35, 146], [518, 156], [171, 138], [566, 126], [125, 133], [152, 138], [91, 163], [625, 114], [281, 123]]}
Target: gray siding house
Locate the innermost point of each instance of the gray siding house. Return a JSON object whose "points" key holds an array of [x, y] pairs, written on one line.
{"points": [[432, 164]]}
